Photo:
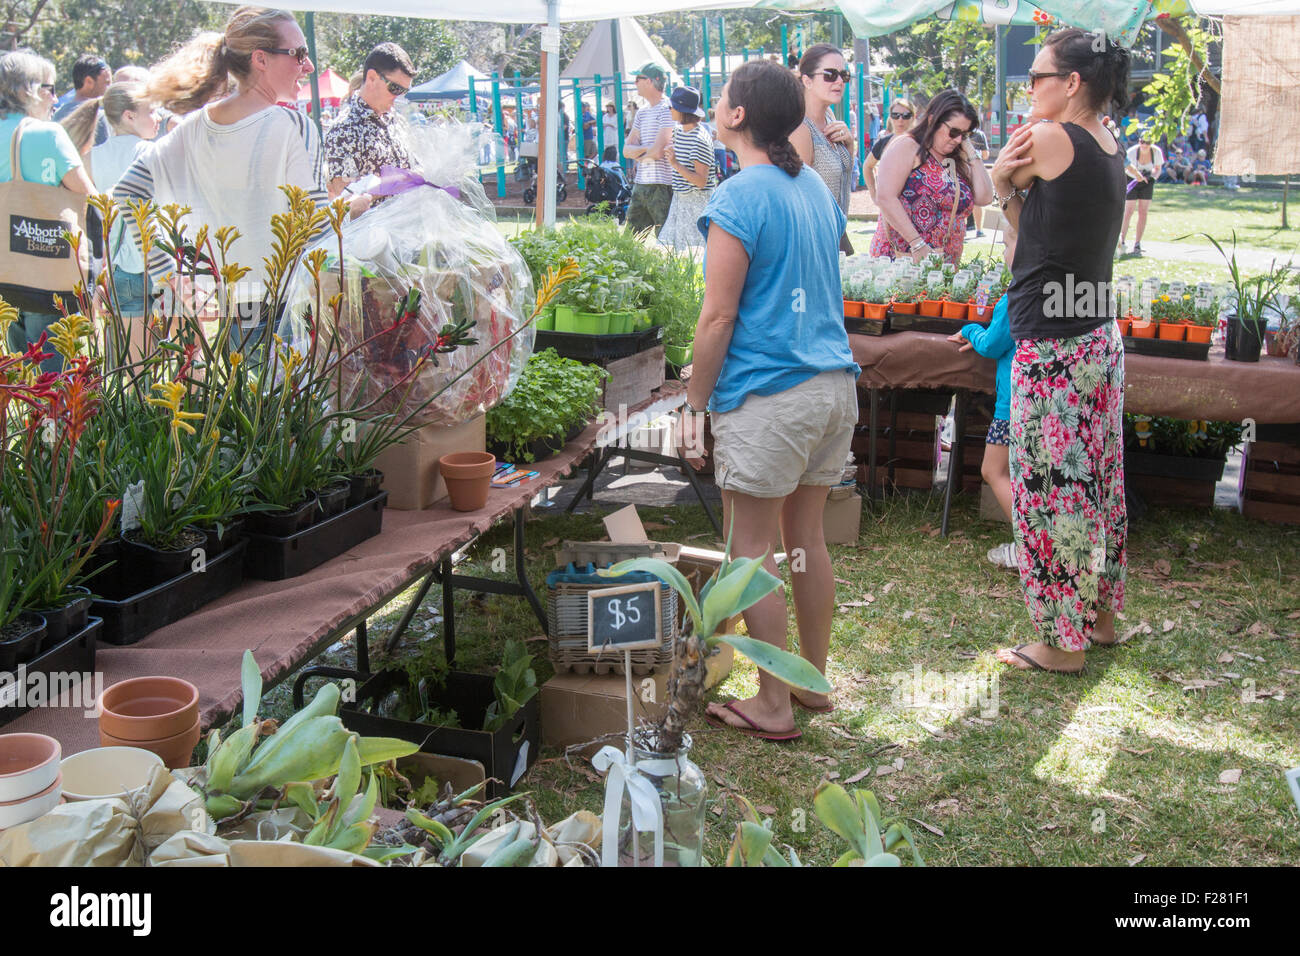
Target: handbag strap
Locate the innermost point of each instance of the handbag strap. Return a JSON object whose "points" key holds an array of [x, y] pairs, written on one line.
{"points": [[15, 167], [951, 165]]}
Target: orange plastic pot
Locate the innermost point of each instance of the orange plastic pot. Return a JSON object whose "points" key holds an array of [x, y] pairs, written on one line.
{"points": [[148, 708], [1125, 326], [874, 310], [1143, 329], [980, 313], [852, 310], [1199, 334], [905, 308], [468, 475], [954, 310], [1171, 331], [932, 308]]}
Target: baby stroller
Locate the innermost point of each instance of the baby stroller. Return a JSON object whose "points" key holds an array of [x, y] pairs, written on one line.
{"points": [[561, 189], [607, 183]]}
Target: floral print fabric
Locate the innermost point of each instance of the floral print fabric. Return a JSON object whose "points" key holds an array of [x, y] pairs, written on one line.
{"points": [[927, 197], [1067, 481]]}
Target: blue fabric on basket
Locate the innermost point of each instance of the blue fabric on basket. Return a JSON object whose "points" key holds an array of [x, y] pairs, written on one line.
{"points": [[587, 575]]}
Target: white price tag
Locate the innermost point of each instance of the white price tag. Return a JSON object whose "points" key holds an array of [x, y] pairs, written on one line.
{"points": [[131, 500], [550, 39]]}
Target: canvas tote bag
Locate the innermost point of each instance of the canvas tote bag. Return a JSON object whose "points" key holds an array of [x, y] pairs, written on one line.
{"points": [[36, 259]]}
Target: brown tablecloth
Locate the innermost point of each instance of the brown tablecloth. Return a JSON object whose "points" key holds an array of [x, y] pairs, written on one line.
{"points": [[1217, 390], [285, 622]]}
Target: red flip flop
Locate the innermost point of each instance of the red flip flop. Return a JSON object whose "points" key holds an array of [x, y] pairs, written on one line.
{"points": [[825, 709], [776, 736]]}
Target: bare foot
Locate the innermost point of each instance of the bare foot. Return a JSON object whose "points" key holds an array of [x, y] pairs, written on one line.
{"points": [[777, 720], [1044, 655], [811, 701]]}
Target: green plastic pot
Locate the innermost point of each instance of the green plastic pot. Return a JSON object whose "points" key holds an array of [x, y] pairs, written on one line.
{"points": [[565, 319], [592, 323], [545, 322], [641, 320], [679, 355], [620, 323]]}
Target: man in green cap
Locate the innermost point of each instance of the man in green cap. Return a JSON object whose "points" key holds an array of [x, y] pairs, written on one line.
{"points": [[652, 191]]}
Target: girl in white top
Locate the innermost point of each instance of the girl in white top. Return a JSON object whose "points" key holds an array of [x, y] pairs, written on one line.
{"points": [[688, 148], [228, 159], [1142, 164]]}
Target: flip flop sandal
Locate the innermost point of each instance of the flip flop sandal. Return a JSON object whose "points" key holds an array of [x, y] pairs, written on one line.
{"points": [[1039, 667], [776, 736], [825, 709]]}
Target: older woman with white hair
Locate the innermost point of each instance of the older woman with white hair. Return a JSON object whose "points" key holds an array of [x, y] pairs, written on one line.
{"points": [[45, 156]]}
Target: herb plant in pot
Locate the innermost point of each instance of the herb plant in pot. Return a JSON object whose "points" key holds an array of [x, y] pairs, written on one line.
{"points": [[935, 292], [1246, 315], [905, 298], [852, 290], [554, 399]]}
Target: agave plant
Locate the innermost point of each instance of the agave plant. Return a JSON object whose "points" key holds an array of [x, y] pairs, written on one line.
{"points": [[737, 585]]}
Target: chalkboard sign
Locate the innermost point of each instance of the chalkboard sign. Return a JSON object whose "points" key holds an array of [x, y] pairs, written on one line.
{"points": [[624, 618]]}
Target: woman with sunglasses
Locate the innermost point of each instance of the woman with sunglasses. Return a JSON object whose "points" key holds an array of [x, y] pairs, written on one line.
{"points": [[235, 148], [46, 156], [901, 114], [822, 141], [1060, 183], [930, 177]]}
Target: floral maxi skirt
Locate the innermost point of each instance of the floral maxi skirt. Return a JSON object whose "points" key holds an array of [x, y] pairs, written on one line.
{"points": [[1067, 481]]}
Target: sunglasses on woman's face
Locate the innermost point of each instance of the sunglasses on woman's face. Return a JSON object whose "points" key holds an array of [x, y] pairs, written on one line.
{"points": [[830, 76], [48, 88], [900, 115], [956, 133], [1035, 77], [298, 53]]}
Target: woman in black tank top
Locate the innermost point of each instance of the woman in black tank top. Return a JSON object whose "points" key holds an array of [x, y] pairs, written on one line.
{"points": [[1061, 185]]}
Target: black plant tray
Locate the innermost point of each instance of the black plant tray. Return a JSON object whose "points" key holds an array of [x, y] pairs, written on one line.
{"points": [[270, 558], [898, 322], [862, 326], [73, 655], [1168, 348], [130, 616], [500, 752], [587, 348], [540, 448], [1173, 466]]}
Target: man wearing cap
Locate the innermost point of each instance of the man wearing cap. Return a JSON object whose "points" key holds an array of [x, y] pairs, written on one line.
{"points": [[90, 78], [652, 192]]}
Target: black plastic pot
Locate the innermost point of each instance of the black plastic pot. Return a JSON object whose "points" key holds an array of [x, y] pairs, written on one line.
{"points": [[1243, 340], [148, 565], [364, 486], [66, 619], [540, 448], [334, 497], [74, 655], [232, 531], [22, 640], [274, 558], [285, 522]]}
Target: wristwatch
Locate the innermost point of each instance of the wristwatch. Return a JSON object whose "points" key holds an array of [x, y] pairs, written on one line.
{"points": [[693, 410]]}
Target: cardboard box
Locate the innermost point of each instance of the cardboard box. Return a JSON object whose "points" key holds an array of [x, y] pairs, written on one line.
{"points": [[410, 468], [578, 708], [842, 519]]}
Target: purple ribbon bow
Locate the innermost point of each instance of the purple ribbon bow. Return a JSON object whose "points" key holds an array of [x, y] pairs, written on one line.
{"points": [[394, 180]]}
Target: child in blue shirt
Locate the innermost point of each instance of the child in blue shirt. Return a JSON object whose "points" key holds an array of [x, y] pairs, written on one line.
{"points": [[994, 341]]}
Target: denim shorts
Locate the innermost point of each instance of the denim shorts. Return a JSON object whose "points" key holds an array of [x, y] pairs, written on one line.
{"points": [[130, 291]]}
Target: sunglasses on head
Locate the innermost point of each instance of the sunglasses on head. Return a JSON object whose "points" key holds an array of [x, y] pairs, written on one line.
{"points": [[900, 115], [298, 53], [830, 76], [395, 88]]}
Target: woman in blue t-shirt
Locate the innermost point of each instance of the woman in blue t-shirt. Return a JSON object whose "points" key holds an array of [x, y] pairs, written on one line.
{"points": [[773, 366]]}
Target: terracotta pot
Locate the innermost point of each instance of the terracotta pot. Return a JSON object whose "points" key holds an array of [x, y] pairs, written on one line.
{"points": [[874, 310], [107, 772], [1199, 333], [955, 310], [467, 474], [1143, 329], [905, 308], [932, 308], [28, 764], [16, 812], [852, 310], [1125, 326], [1171, 331], [148, 708], [175, 750]]}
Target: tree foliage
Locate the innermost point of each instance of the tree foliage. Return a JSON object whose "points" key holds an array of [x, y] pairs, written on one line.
{"points": [[343, 41], [1176, 89], [936, 54]]}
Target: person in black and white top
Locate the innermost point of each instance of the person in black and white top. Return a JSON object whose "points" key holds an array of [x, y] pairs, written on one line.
{"points": [[1142, 164], [688, 148]]}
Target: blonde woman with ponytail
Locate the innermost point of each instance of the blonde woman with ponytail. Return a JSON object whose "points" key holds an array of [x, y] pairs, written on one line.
{"points": [[774, 369], [234, 147]]}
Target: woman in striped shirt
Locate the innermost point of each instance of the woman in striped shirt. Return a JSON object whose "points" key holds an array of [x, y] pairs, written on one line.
{"points": [[229, 157], [688, 147]]}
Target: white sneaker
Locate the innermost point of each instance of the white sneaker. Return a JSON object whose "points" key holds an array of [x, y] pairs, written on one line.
{"points": [[1123, 247], [1004, 556]]}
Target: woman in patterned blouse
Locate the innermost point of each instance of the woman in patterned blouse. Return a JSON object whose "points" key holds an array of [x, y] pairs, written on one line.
{"points": [[928, 181]]}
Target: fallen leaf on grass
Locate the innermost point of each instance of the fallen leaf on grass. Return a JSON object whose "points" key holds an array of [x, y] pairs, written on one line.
{"points": [[1137, 859], [717, 810], [550, 544], [933, 829], [1293, 616], [821, 758], [1137, 753], [885, 769], [890, 797], [654, 526], [1195, 604], [1224, 658], [1167, 626], [535, 638], [841, 581], [908, 615], [858, 776], [837, 729], [1162, 567], [1050, 826], [1230, 776], [702, 534], [887, 588], [948, 804], [933, 532], [766, 809], [833, 775]]}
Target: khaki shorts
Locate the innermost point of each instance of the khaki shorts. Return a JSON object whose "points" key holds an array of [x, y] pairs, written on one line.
{"points": [[772, 444]]}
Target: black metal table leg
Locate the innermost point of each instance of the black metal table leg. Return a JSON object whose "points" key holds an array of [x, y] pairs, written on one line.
{"points": [[600, 459], [409, 613], [448, 611], [893, 434], [521, 573], [363, 648]]}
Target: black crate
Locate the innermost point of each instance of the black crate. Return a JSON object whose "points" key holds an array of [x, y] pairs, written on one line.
{"points": [[272, 558], [130, 615], [899, 322], [1174, 466], [863, 326], [1168, 348], [590, 348], [469, 695], [75, 655]]}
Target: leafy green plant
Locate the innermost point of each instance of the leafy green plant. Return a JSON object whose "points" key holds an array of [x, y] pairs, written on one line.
{"points": [[904, 290], [1252, 294], [514, 685], [552, 395], [936, 286]]}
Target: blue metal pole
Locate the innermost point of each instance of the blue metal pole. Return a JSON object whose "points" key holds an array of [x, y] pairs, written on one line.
{"points": [[704, 27], [722, 48], [473, 100], [785, 44], [579, 134], [622, 130], [862, 123], [500, 129]]}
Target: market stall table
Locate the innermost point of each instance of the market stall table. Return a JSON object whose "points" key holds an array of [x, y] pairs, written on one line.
{"points": [[286, 623]]}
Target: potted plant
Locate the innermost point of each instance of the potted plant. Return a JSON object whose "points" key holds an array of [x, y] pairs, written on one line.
{"points": [[1202, 319], [851, 286], [904, 296], [876, 300], [1167, 313], [554, 398], [955, 306], [934, 295], [1251, 297]]}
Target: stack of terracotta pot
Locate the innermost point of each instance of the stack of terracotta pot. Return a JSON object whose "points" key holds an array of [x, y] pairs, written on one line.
{"points": [[30, 782], [158, 714]]}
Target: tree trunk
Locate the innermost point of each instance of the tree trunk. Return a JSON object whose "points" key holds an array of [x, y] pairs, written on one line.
{"points": [[1175, 30]]}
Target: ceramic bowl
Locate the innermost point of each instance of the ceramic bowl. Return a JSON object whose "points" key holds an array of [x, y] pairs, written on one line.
{"points": [[149, 708], [15, 812], [175, 750], [107, 772], [29, 763]]}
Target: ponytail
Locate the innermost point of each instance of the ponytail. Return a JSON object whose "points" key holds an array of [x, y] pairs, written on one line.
{"points": [[784, 155], [81, 124], [773, 101]]}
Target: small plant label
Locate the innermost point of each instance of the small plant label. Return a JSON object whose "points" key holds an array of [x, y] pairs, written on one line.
{"points": [[624, 618]]}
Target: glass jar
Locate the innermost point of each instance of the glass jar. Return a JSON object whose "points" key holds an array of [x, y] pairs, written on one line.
{"points": [[682, 791]]}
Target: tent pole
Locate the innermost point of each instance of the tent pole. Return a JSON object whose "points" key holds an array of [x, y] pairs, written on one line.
{"points": [[785, 44], [579, 134], [548, 158], [309, 28], [519, 115], [704, 30], [500, 131], [1000, 61], [837, 41], [722, 49], [621, 130], [600, 124]]}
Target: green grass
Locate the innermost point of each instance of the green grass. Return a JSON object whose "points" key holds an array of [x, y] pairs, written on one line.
{"points": [[1119, 764]]}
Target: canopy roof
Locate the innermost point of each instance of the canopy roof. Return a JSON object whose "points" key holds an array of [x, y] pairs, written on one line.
{"points": [[333, 89], [451, 85], [596, 55]]}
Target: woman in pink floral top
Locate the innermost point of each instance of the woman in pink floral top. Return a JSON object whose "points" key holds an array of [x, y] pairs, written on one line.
{"points": [[921, 174]]}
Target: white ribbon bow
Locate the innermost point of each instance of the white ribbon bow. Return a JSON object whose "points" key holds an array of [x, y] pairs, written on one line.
{"points": [[647, 811]]}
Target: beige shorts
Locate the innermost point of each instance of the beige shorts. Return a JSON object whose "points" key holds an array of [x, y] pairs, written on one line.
{"points": [[772, 444]]}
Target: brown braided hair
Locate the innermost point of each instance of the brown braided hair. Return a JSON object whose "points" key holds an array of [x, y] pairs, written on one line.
{"points": [[774, 106]]}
